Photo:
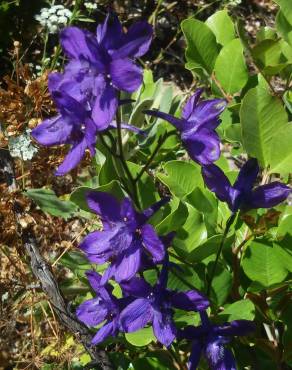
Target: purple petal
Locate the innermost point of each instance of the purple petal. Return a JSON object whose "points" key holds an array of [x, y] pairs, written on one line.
{"points": [[136, 315], [53, 131], [94, 279], [217, 182], [206, 111], [128, 212], [54, 81], [164, 328], [190, 301], [191, 104], [176, 122], [235, 328], [129, 127], [126, 75], [195, 356], [109, 272], [219, 357], [247, 176], [69, 106], [152, 243], [105, 107], [136, 41], [104, 205], [136, 287], [97, 246], [267, 196], [81, 44], [203, 147], [128, 263], [104, 332], [91, 312], [109, 33], [72, 159]]}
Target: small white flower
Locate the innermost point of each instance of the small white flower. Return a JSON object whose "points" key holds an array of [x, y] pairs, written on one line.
{"points": [[21, 146]]}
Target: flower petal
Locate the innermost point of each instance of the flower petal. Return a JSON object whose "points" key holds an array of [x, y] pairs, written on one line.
{"points": [[235, 328], [109, 272], [105, 106], [136, 41], [152, 243], [136, 287], [195, 356], [126, 75], [217, 182], [81, 44], [176, 122], [267, 196], [104, 332], [128, 213], [247, 176], [219, 357], [164, 328], [53, 131], [97, 246], [191, 104], [190, 301], [206, 111], [109, 33], [149, 212], [91, 312], [136, 315], [203, 147], [72, 159], [104, 205], [128, 263]]}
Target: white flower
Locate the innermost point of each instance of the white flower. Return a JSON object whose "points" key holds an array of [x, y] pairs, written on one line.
{"points": [[54, 18], [21, 146]]}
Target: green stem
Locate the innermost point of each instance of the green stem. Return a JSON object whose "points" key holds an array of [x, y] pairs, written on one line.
{"points": [[227, 228], [124, 162], [160, 142]]}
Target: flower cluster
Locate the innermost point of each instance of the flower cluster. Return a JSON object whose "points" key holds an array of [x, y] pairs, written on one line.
{"points": [[54, 18], [87, 97], [87, 93]]}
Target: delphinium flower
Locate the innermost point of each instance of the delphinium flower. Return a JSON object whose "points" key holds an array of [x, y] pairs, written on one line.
{"points": [[104, 64], [241, 195], [103, 307], [125, 237], [54, 18], [210, 340], [73, 124], [197, 127], [155, 304]]}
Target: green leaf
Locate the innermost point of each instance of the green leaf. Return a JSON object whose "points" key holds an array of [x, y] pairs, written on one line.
{"points": [[230, 68], [192, 233], [267, 53], [79, 195], [137, 116], [221, 283], [48, 202], [176, 217], [261, 263], [281, 156], [286, 9], [141, 337], [202, 49], [241, 310], [222, 26], [262, 116], [284, 27], [181, 177]]}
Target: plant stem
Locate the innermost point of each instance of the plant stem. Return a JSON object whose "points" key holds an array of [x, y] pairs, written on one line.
{"points": [[124, 162], [227, 228], [160, 142]]}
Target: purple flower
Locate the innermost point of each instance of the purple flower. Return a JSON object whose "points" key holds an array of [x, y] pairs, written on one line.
{"points": [[73, 125], [125, 237], [241, 195], [103, 64], [197, 127], [103, 307], [155, 304], [210, 340]]}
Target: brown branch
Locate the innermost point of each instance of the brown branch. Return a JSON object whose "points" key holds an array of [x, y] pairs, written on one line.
{"points": [[44, 274]]}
